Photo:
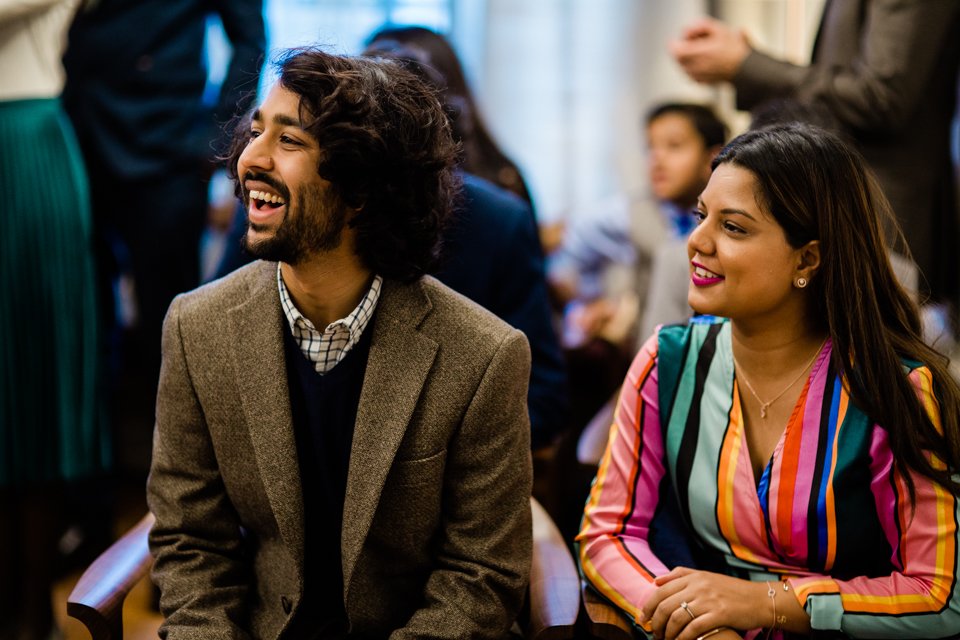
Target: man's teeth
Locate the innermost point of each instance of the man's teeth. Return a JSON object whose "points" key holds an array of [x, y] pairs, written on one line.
{"points": [[266, 197], [703, 273]]}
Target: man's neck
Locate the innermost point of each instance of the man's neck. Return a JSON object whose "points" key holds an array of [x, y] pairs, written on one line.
{"points": [[326, 290]]}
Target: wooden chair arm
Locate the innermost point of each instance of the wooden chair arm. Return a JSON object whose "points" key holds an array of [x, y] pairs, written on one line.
{"points": [[97, 599], [603, 619], [554, 583]]}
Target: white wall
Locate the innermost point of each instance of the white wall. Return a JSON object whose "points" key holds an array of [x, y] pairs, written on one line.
{"points": [[563, 84]]}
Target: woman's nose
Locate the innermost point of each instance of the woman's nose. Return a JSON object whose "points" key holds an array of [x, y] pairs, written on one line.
{"points": [[700, 240]]}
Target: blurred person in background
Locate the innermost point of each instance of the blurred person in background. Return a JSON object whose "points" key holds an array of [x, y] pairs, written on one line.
{"points": [[150, 128], [492, 255], [51, 430], [886, 71], [482, 156], [623, 264]]}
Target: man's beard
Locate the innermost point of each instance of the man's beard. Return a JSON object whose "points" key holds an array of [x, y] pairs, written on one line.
{"points": [[313, 223]]}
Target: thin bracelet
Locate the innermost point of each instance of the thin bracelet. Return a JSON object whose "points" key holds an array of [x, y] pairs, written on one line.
{"points": [[778, 621], [710, 633], [782, 619]]}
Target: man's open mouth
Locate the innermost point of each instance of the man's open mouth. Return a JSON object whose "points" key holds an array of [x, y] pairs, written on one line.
{"points": [[265, 201]]}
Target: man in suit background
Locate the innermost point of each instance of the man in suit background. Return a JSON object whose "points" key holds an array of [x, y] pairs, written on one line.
{"points": [[886, 72], [150, 129], [342, 443]]}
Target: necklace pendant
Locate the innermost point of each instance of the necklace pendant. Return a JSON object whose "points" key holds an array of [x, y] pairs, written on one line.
{"points": [[763, 410]]}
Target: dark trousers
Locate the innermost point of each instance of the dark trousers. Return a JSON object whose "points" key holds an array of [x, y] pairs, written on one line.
{"points": [[150, 229]]}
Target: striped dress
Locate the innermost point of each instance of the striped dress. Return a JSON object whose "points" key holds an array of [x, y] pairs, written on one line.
{"points": [[830, 513]]}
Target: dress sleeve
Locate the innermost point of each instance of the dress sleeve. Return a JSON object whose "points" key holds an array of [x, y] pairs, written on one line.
{"points": [[919, 598], [614, 549]]}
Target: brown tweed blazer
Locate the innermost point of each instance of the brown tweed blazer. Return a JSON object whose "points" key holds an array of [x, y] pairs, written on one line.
{"points": [[436, 535]]}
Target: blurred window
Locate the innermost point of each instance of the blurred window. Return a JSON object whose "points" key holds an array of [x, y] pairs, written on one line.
{"points": [[339, 26]]}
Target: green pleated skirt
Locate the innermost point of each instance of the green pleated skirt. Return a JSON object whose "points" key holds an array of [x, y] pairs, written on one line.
{"points": [[51, 425]]}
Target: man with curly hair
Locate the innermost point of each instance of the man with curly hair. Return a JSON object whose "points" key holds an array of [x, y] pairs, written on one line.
{"points": [[342, 443]]}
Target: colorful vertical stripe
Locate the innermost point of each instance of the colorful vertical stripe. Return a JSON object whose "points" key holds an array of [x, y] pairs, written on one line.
{"points": [[831, 511]]}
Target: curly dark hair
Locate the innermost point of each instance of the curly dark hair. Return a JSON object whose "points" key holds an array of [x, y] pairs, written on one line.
{"points": [[386, 149]]}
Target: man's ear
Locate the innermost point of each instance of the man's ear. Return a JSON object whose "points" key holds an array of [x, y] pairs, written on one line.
{"points": [[808, 260]]}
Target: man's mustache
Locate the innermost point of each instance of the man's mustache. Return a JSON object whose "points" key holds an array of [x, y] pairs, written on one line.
{"points": [[267, 180]]}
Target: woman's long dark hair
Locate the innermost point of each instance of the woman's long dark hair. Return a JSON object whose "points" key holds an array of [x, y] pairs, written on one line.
{"points": [[817, 188]]}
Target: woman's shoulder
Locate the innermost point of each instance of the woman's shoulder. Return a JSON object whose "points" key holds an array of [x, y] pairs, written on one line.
{"points": [[698, 331], [667, 351]]}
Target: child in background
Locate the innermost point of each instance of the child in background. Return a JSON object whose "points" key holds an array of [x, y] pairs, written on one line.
{"points": [[619, 259], [623, 267]]}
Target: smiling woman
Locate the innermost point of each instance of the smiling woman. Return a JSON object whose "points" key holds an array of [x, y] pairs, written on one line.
{"points": [[816, 390], [735, 235]]}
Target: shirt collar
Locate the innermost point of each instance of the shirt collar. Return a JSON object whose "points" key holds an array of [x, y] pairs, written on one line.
{"points": [[355, 322]]}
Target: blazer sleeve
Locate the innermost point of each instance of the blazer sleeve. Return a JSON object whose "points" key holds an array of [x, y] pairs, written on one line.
{"points": [[879, 90], [614, 541], [199, 560], [919, 599], [485, 542]]}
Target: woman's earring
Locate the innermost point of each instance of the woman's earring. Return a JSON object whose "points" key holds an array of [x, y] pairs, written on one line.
{"points": [[801, 283]]}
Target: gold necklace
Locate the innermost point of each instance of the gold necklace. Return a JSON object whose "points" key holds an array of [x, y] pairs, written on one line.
{"points": [[766, 405]]}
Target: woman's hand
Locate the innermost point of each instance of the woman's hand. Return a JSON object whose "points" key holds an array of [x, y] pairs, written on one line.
{"points": [[712, 601]]}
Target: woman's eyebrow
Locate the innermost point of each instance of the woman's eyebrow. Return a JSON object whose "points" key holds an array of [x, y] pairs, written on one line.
{"points": [[727, 210], [733, 211]]}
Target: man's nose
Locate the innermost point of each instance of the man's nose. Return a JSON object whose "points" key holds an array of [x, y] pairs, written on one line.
{"points": [[256, 155]]}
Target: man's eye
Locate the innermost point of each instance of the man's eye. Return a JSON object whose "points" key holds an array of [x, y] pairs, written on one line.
{"points": [[289, 140]]}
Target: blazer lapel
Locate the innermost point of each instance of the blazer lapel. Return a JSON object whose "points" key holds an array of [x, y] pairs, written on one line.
{"points": [[397, 367], [260, 369]]}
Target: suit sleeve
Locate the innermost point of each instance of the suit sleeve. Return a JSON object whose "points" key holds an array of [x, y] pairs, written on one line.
{"points": [[919, 599], [614, 541], [485, 542], [199, 561], [521, 301], [880, 89]]}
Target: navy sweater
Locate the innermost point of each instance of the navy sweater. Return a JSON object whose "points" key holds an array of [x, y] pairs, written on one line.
{"points": [[324, 409]]}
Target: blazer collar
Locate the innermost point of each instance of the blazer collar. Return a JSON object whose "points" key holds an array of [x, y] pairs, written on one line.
{"points": [[397, 367], [260, 370]]}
